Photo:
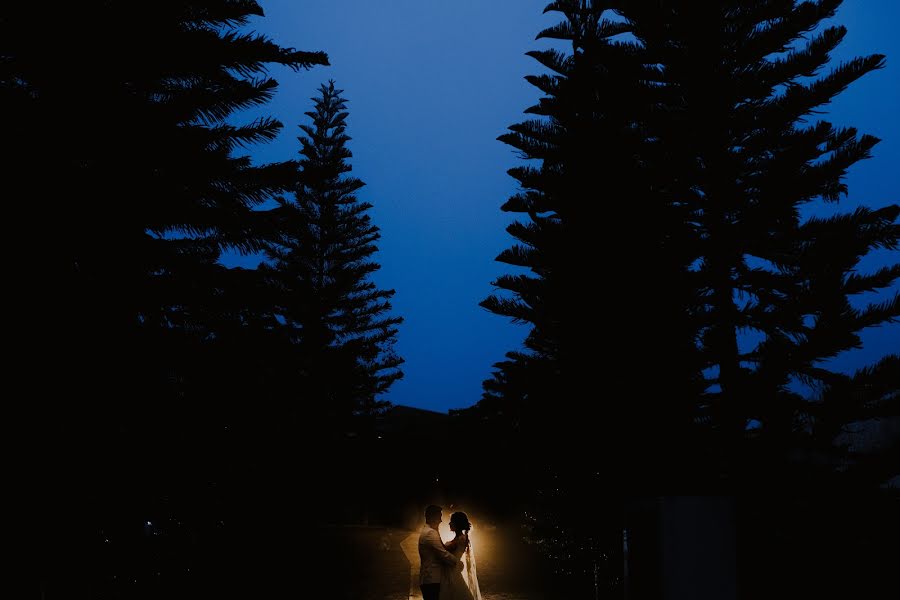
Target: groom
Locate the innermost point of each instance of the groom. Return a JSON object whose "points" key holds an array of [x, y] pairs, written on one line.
{"points": [[431, 554]]}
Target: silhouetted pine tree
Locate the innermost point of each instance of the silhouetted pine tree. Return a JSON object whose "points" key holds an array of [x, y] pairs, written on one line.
{"points": [[600, 174], [128, 161], [601, 394], [148, 189], [336, 315], [693, 138], [744, 84], [743, 79]]}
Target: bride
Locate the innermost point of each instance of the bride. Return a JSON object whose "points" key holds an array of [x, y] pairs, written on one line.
{"points": [[460, 581]]}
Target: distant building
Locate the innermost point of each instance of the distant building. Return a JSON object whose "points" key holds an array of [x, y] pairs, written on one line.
{"points": [[411, 422], [871, 435]]}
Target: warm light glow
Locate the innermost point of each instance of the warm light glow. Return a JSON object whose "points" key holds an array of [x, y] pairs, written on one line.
{"points": [[481, 551], [446, 534], [479, 539]]}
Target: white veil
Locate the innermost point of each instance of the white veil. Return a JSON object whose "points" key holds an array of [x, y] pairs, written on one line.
{"points": [[470, 574]]}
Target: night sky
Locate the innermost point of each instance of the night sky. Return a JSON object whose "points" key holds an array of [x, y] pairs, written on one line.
{"points": [[430, 86]]}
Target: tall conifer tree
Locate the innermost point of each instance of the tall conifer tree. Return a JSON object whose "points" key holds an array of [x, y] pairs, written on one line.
{"points": [[694, 139], [339, 317], [609, 361], [129, 159], [599, 172], [744, 82], [150, 188]]}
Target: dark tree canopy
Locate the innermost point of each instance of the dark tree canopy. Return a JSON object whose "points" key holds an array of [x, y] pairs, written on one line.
{"points": [[692, 136], [662, 225], [129, 159], [603, 236], [142, 352], [744, 83]]}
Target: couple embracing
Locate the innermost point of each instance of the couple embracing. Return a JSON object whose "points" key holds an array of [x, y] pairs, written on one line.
{"points": [[447, 572]]}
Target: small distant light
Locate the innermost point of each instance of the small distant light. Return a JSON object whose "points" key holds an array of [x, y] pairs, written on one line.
{"points": [[149, 523]]}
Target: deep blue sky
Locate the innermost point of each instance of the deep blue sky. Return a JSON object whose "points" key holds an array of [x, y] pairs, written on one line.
{"points": [[431, 84]]}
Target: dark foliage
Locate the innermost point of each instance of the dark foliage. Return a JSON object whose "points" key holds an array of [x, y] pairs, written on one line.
{"points": [[663, 231], [331, 311], [141, 351]]}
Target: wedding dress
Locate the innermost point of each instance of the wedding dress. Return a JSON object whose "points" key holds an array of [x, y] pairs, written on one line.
{"points": [[460, 581]]}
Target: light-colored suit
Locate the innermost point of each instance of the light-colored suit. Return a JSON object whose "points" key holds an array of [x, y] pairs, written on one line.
{"points": [[432, 555]]}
